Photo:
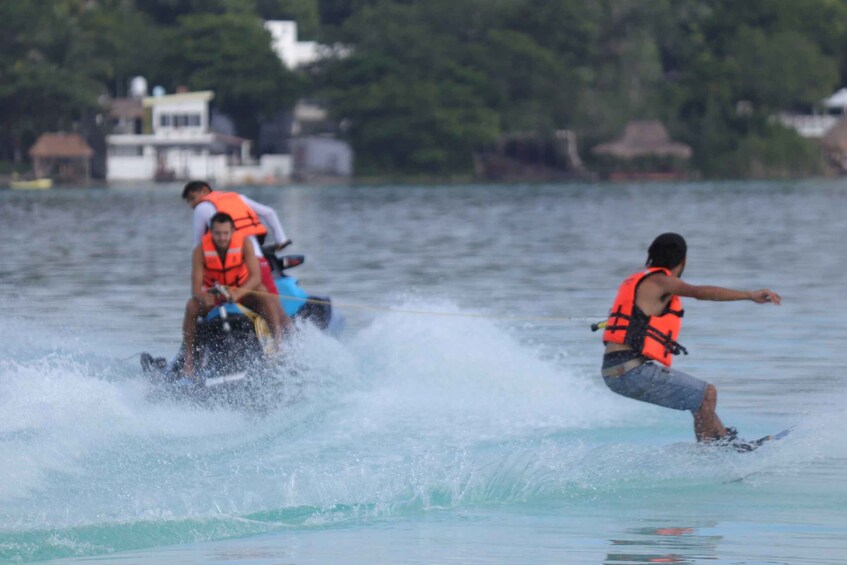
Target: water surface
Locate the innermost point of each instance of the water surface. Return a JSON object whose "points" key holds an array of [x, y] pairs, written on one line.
{"points": [[459, 417]]}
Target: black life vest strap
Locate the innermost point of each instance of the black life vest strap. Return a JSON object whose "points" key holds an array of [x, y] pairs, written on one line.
{"points": [[670, 345], [618, 315]]}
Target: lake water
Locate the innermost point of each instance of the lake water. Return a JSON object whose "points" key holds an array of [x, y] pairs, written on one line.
{"points": [[459, 418]]}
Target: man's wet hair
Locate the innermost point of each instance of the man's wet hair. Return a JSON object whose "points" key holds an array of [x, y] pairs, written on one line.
{"points": [[222, 218], [668, 250], [194, 186]]}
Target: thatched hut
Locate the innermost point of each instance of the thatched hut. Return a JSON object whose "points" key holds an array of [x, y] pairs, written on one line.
{"points": [[63, 156], [645, 149]]}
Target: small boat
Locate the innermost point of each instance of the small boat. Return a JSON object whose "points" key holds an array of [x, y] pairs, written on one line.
{"points": [[32, 184], [234, 366]]}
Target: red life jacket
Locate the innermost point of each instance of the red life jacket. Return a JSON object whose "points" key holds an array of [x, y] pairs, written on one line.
{"points": [[652, 336], [245, 219], [233, 272]]}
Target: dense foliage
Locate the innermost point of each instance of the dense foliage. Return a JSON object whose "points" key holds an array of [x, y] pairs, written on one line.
{"points": [[428, 83]]}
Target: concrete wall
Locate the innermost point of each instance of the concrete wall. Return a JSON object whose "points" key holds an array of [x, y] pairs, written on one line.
{"points": [[131, 168], [270, 169]]}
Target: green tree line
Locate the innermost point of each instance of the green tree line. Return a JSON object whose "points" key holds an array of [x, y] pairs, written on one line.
{"points": [[427, 83]]}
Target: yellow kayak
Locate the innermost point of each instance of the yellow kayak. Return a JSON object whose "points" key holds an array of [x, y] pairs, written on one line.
{"points": [[35, 184]]}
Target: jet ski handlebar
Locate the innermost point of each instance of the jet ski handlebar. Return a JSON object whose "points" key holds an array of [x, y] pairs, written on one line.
{"points": [[279, 246], [222, 290], [273, 254]]}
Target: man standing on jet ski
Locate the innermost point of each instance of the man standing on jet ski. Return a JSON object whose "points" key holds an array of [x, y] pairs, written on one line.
{"points": [[224, 257], [251, 219], [641, 336]]}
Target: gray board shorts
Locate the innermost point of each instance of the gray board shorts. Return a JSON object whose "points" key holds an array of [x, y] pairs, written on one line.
{"points": [[657, 384]]}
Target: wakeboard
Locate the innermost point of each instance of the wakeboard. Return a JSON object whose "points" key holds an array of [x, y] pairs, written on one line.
{"points": [[745, 446]]}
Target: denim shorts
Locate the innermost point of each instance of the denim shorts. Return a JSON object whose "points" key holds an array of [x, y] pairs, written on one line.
{"points": [[657, 384]]}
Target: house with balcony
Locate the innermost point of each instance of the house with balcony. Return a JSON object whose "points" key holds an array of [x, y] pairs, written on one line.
{"points": [[168, 137]]}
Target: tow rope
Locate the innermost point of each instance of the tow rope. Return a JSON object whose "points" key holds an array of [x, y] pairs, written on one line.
{"points": [[428, 312], [263, 332]]}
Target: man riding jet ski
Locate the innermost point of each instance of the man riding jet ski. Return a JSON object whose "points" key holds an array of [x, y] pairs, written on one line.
{"points": [[227, 347]]}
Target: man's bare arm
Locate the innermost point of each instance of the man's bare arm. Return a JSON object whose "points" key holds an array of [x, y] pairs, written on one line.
{"points": [[254, 276], [676, 286]]}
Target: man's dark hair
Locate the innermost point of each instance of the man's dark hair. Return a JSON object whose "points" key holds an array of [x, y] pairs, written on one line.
{"points": [[222, 218], [668, 250], [194, 186]]}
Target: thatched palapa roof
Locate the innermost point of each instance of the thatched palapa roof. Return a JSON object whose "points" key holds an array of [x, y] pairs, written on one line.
{"points": [[644, 138], [60, 145]]}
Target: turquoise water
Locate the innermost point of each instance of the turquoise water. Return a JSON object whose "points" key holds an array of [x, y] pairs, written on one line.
{"points": [[459, 418]]}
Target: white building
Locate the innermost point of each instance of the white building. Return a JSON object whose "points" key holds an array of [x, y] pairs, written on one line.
{"points": [[817, 125], [176, 142], [293, 53]]}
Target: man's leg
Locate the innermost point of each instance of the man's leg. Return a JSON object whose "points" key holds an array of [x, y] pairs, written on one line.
{"points": [[193, 310], [268, 306], [271, 291], [673, 389], [276, 316], [707, 424], [267, 276]]}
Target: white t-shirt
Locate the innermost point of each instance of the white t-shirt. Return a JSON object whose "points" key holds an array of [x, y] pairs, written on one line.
{"points": [[204, 211]]}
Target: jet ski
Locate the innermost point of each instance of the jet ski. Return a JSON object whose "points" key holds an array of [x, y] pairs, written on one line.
{"points": [[297, 303], [235, 358]]}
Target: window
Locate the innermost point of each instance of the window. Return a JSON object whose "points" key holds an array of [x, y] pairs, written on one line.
{"points": [[180, 120]]}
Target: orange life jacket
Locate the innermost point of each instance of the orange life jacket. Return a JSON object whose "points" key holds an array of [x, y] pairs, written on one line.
{"points": [[245, 219], [652, 336], [233, 272]]}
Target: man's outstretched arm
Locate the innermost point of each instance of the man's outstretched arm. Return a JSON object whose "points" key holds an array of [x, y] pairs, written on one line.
{"points": [[674, 285]]}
